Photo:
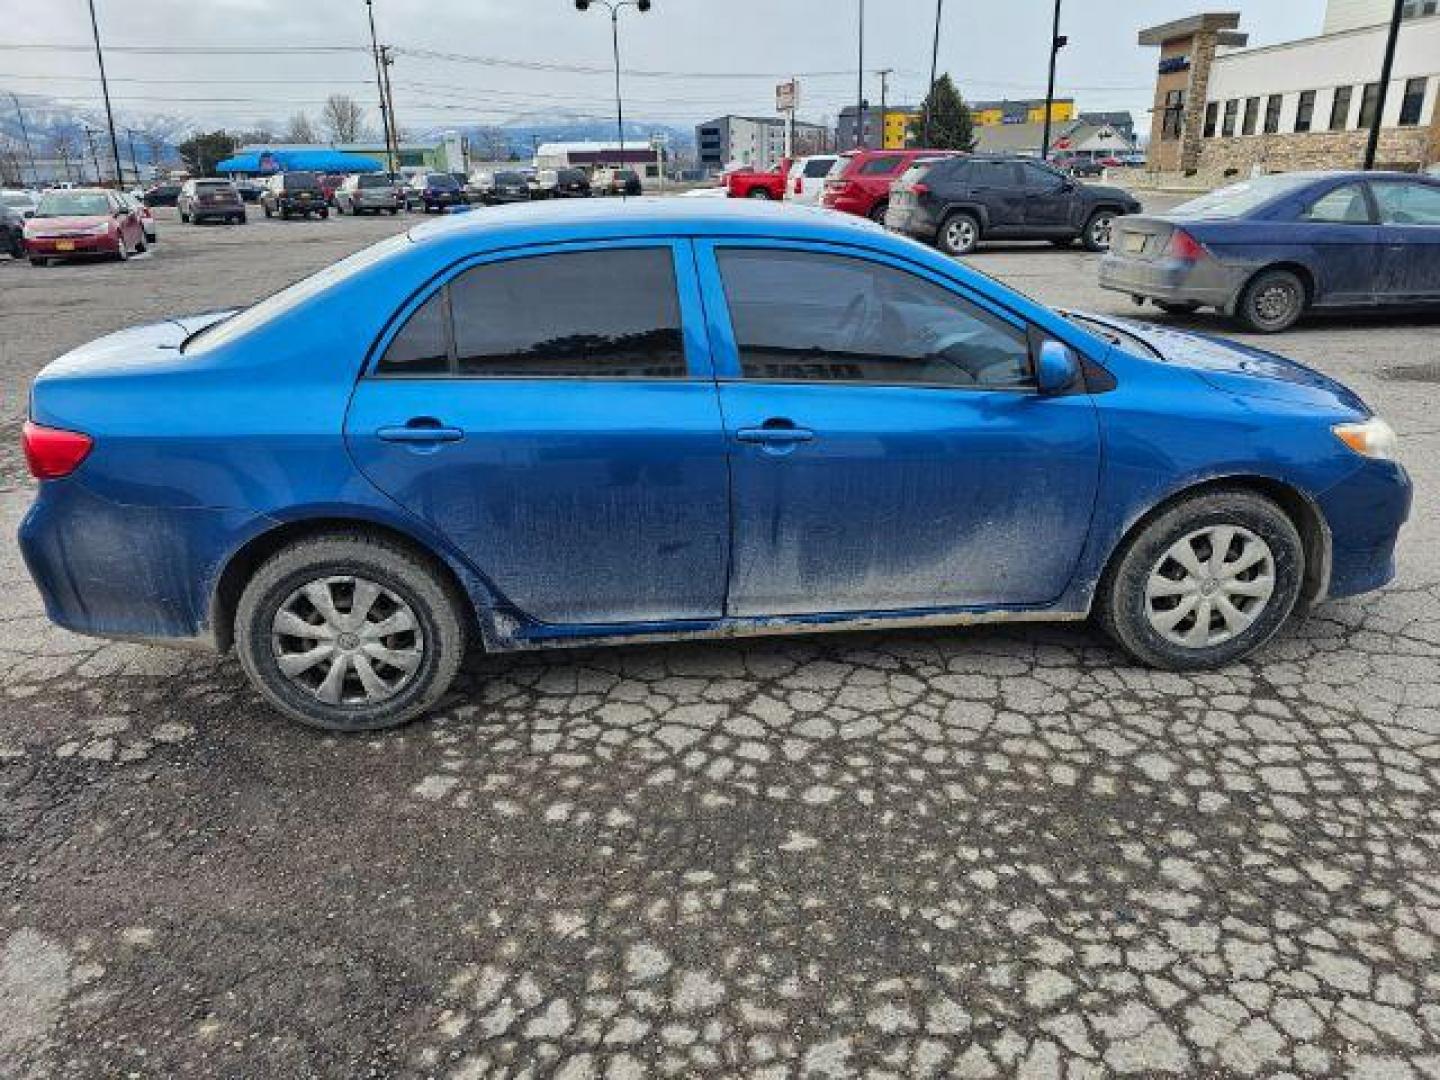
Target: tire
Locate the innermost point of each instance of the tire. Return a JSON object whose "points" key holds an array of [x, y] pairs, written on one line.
{"points": [[1144, 624], [395, 211], [122, 250], [1178, 307], [39, 262], [434, 643], [759, 193], [959, 234], [324, 214], [1098, 229], [1273, 301], [268, 212], [877, 212]]}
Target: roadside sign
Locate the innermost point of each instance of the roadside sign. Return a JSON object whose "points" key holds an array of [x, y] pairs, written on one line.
{"points": [[787, 96]]}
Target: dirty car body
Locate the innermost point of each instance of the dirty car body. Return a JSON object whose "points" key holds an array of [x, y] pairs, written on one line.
{"points": [[710, 450]]}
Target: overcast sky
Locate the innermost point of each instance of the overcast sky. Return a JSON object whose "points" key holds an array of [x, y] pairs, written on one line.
{"points": [[706, 46]]}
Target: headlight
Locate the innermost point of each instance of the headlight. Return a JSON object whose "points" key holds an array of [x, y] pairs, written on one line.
{"points": [[1372, 438]]}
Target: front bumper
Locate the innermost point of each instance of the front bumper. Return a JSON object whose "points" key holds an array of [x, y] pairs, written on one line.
{"points": [[1172, 280], [60, 247], [1364, 513]]}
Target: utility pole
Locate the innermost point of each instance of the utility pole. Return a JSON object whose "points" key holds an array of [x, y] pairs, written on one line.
{"points": [[134, 161], [884, 74], [90, 139], [25, 134], [386, 60], [860, 85], [105, 89], [380, 89], [1372, 142], [934, 64], [1057, 42]]}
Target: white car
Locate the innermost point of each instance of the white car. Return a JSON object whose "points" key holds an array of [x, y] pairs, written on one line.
{"points": [[20, 199], [806, 179]]}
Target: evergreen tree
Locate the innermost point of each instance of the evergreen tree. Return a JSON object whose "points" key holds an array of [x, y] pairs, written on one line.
{"points": [[951, 125]]}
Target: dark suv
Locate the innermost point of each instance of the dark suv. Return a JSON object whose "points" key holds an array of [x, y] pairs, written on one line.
{"points": [[434, 192], [294, 193], [957, 202]]}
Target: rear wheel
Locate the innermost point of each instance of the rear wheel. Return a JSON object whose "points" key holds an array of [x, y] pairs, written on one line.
{"points": [[959, 234], [324, 214], [1208, 581], [39, 262], [877, 213], [1273, 301], [759, 193], [1098, 229], [349, 633]]}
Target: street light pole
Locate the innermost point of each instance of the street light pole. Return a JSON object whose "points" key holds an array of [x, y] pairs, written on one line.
{"points": [[105, 90], [614, 6], [860, 84], [380, 89], [25, 134], [1372, 141], [1056, 44], [934, 63], [134, 161]]}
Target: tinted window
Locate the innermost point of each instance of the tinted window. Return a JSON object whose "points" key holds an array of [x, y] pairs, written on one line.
{"points": [[440, 180], [808, 317], [1305, 111], [1038, 178], [511, 178], [879, 166], [589, 313], [994, 174], [300, 181], [1345, 206], [420, 348], [1340, 108], [1408, 204], [1413, 103], [817, 168], [373, 181]]}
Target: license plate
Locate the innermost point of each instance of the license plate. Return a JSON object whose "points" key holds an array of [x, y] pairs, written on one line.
{"points": [[64, 245], [1134, 243], [304, 197]]}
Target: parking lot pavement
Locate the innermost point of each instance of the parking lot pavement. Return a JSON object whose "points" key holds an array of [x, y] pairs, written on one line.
{"points": [[961, 853]]}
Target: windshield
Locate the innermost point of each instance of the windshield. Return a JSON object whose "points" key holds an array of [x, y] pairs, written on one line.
{"points": [[375, 181], [213, 185], [1239, 199], [440, 180], [300, 181], [72, 204], [509, 178], [227, 330]]}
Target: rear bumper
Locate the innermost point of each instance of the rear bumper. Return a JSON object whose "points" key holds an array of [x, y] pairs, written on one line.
{"points": [[913, 221], [847, 203], [1365, 512], [201, 213], [1205, 282]]}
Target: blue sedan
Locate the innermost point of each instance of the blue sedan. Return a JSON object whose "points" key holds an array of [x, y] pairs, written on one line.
{"points": [[579, 423], [1268, 250]]}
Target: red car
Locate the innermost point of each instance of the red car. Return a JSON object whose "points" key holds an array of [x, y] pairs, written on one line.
{"points": [[862, 184], [750, 184], [83, 221]]}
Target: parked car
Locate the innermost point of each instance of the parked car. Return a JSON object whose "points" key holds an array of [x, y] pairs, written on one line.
{"points": [[806, 180], [165, 193], [1081, 167], [329, 184], [210, 200], [79, 222], [759, 184], [370, 193], [433, 192], [502, 187], [562, 184], [12, 231], [860, 182], [1267, 250], [21, 200], [616, 182], [291, 193], [955, 203], [348, 526], [147, 219], [250, 190]]}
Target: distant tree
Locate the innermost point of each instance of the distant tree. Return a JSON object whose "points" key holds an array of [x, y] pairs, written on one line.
{"points": [[63, 143], [951, 125], [202, 152], [342, 118], [301, 130]]}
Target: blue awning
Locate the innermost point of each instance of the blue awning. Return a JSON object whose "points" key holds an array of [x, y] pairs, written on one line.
{"points": [[262, 162]]}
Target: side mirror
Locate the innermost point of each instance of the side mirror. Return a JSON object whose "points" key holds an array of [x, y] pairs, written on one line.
{"points": [[1057, 368]]}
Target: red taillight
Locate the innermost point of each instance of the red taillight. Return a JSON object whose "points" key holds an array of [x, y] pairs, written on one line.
{"points": [[799, 186], [1185, 247], [52, 452]]}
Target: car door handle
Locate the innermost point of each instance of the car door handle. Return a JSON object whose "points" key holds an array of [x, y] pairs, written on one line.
{"points": [[422, 430], [775, 436]]}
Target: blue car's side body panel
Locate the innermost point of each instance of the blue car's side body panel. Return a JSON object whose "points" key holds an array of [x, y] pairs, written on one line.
{"points": [[591, 509]]}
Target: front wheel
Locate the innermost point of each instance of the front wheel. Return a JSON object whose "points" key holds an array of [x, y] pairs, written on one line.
{"points": [[1098, 230], [959, 235], [1273, 301], [350, 633], [1207, 582], [878, 212]]}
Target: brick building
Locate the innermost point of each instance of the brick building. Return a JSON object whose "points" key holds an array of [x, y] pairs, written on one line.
{"points": [[1222, 109]]}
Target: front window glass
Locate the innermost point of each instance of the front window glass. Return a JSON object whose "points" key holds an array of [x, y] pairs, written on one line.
{"points": [[72, 204], [879, 166], [809, 317], [611, 313]]}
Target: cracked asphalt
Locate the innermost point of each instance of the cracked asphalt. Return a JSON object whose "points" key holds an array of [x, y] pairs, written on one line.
{"points": [[959, 853]]}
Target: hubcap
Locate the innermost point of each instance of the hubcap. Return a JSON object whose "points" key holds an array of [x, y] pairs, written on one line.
{"points": [[1210, 586], [347, 641], [961, 235], [1100, 231], [1275, 302]]}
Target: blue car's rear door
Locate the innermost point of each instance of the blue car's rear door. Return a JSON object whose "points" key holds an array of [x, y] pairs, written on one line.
{"points": [[888, 450], [552, 412]]}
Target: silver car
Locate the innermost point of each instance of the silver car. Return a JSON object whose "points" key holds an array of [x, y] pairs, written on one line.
{"points": [[369, 193]]}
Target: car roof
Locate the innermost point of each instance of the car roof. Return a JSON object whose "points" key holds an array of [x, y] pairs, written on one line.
{"points": [[609, 218]]}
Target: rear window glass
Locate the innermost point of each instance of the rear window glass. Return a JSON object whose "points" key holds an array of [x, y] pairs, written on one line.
{"points": [[1238, 199], [213, 185], [300, 181], [375, 181], [818, 168], [440, 180], [509, 178]]}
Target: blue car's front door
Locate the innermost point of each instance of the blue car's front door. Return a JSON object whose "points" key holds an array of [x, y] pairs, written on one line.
{"points": [[1409, 241], [548, 412], [888, 450]]}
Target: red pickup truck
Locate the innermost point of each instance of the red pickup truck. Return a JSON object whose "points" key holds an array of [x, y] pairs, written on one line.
{"points": [[750, 184]]}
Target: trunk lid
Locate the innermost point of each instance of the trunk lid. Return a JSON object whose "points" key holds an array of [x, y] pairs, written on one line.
{"points": [[130, 351], [1140, 236]]}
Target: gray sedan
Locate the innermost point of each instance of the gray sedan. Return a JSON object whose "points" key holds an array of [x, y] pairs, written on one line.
{"points": [[369, 193]]}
